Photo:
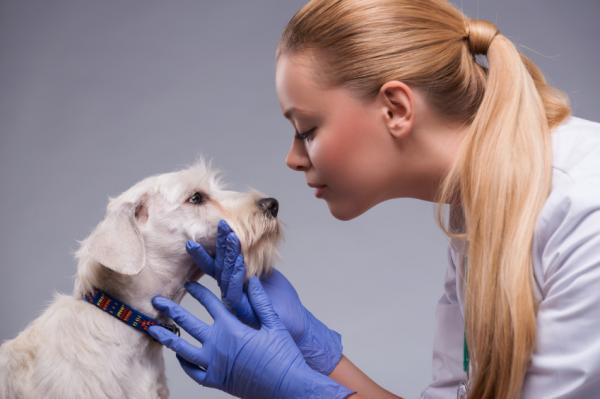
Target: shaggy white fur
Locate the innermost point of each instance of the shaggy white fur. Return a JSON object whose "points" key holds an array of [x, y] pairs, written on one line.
{"points": [[75, 350]]}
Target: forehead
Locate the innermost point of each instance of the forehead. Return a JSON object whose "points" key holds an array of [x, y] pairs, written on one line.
{"points": [[198, 177], [295, 83], [172, 186]]}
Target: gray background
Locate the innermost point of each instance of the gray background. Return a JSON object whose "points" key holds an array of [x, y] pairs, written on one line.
{"points": [[95, 95]]}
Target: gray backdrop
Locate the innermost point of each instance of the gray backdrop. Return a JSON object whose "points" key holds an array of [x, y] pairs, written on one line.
{"points": [[95, 95]]}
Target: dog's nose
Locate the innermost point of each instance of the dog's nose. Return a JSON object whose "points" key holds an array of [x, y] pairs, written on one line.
{"points": [[269, 206]]}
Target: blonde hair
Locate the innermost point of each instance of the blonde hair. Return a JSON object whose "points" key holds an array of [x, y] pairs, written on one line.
{"points": [[502, 174]]}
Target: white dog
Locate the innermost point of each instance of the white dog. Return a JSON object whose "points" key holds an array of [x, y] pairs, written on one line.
{"points": [[76, 350]]}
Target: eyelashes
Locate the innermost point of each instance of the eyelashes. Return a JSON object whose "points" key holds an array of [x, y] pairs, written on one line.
{"points": [[306, 136]]}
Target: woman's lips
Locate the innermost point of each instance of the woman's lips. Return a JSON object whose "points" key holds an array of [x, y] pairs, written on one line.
{"points": [[318, 188], [319, 191]]}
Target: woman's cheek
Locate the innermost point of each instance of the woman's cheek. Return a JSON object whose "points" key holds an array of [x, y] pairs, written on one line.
{"points": [[334, 151]]}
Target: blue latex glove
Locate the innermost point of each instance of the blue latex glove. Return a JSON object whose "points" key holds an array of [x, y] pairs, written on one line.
{"points": [[321, 347], [238, 359]]}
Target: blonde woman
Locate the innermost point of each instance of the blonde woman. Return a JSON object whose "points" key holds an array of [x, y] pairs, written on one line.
{"points": [[389, 100]]}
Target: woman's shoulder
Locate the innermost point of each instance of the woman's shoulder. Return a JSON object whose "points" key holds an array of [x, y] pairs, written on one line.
{"points": [[575, 175], [575, 168], [576, 148], [573, 200], [571, 214]]}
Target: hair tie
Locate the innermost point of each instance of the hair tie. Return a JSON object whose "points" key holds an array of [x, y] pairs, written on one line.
{"points": [[480, 33]]}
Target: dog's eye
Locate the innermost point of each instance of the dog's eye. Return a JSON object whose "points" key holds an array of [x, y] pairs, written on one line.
{"points": [[197, 198]]}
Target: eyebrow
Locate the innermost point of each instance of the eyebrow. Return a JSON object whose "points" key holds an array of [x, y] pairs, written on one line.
{"points": [[291, 111]]}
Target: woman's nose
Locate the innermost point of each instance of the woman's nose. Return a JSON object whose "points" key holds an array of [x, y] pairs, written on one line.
{"points": [[296, 158]]}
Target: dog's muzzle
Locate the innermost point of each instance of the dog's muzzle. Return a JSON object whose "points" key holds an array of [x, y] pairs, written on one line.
{"points": [[270, 206]]}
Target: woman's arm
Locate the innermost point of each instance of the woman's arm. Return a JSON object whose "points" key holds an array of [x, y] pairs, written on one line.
{"points": [[347, 374]]}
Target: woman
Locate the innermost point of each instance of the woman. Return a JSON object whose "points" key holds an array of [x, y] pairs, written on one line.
{"points": [[389, 100]]}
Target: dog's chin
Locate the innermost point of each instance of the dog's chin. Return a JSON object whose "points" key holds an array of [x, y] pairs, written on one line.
{"points": [[179, 294]]}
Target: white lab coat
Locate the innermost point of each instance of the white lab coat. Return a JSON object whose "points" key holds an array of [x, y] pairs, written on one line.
{"points": [[566, 263]]}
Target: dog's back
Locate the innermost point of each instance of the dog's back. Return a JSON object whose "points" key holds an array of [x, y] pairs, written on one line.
{"points": [[72, 351], [17, 357]]}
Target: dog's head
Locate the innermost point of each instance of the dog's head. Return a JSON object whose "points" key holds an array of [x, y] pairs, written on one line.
{"points": [[138, 250]]}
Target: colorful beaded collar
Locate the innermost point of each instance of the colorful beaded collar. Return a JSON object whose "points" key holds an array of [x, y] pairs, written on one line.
{"points": [[126, 313]]}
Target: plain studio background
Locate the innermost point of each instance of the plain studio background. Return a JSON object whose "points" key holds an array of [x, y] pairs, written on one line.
{"points": [[96, 95]]}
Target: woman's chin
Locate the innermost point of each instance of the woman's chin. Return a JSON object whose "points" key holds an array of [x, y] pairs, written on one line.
{"points": [[348, 212]]}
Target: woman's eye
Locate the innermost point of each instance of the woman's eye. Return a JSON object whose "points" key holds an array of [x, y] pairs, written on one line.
{"points": [[306, 135], [197, 198]]}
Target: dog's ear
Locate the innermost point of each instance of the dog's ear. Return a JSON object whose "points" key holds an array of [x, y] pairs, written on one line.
{"points": [[117, 242]]}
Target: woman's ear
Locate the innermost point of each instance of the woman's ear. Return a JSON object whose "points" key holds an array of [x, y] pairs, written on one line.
{"points": [[397, 100]]}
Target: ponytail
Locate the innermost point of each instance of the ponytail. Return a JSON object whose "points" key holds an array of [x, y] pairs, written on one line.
{"points": [[503, 175]]}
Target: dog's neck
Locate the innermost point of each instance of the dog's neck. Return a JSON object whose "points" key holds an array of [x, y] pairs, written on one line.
{"points": [[138, 290], [125, 313]]}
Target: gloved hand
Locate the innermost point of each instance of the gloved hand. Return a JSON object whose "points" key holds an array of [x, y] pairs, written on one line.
{"points": [[238, 359], [321, 347]]}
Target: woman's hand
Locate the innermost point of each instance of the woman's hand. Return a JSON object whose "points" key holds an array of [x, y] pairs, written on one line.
{"points": [[238, 359], [321, 347]]}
